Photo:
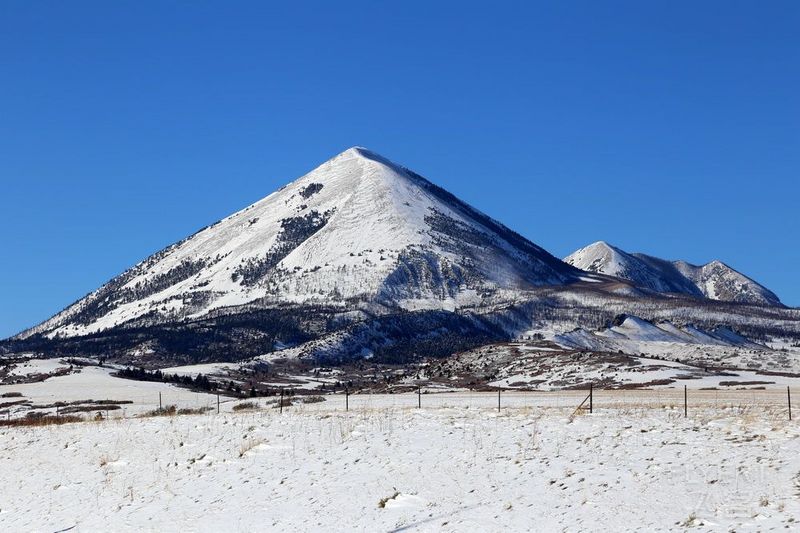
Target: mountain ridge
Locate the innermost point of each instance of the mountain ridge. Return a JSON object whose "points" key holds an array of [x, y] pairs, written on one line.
{"points": [[364, 258], [714, 280]]}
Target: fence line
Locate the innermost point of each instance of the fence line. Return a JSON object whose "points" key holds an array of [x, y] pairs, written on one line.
{"points": [[574, 400], [595, 400]]}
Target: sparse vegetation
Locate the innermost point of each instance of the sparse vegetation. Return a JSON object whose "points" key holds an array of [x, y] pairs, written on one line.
{"points": [[40, 419], [194, 411], [244, 406], [199, 382], [383, 501], [169, 410]]}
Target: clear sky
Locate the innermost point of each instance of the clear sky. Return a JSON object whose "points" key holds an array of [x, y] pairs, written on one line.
{"points": [[671, 128]]}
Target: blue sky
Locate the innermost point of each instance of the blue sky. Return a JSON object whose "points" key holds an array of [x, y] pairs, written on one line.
{"points": [[671, 128]]}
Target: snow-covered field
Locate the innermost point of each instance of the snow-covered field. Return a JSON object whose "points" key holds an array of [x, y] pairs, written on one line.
{"points": [[732, 464], [194, 370], [97, 383], [38, 366]]}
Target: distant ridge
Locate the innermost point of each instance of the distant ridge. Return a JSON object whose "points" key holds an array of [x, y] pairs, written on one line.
{"points": [[715, 280]]}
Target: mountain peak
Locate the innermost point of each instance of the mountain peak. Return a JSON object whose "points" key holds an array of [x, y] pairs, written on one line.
{"points": [[604, 246], [356, 151], [368, 157], [365, 153], [358, 230], [598, 257], [359, 167]]}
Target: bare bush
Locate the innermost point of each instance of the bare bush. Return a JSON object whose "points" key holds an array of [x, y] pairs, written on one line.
{"points": [[244, 406]]}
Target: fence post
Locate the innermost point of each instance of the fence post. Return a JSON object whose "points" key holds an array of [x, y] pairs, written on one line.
{"points": [[346, 400], [160, 406], [498, 400], [789, 399], [685, 402], [217, 403], [591, 397], [419, 397], [281, 403]]}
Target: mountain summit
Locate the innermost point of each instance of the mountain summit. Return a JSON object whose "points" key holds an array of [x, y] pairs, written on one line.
{"points": [[714, 280], [358, 231]]}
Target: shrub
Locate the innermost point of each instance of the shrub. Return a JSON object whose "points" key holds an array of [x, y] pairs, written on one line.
{"points": [[169, 410], [244, 406], [383, 501], [40, 419], [285, 402], [312, 399], [197, 411]]}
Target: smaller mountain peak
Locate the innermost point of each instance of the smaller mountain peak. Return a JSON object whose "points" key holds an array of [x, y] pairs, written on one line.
{"points": [[716, 263], [603, 247], [599, 257]]}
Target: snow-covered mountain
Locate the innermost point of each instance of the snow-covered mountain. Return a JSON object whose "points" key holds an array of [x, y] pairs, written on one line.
{"points": [[357, 231], [715, 280], [364, 258]]}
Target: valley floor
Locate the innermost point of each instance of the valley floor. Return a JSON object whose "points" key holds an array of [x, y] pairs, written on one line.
{"points": [[382, 467]]}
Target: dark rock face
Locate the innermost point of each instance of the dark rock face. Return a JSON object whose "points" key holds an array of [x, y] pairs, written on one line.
{"points": [[294, 231]]}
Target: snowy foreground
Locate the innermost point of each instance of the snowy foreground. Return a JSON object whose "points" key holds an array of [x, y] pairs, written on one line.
{"points": [[380, 467]]}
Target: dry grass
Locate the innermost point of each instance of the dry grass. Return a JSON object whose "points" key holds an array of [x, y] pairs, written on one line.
{"points": [[245, 406], [37, 421], [750, 407], [197, 411], [383, 501], [169, 410]]}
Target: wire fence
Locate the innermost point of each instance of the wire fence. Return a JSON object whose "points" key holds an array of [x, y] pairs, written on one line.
{"points": [[682, 401], [776, 402]]}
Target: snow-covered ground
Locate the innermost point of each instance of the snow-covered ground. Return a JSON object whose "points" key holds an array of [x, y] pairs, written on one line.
{"points": [[209, 369], [529, 366], [719, 347], [96, 383], [383, 468], [38, 366]]}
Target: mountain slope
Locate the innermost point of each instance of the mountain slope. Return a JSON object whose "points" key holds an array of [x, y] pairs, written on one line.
{"points": [[357, 232], [718, 281], [636, 330], [714, 280]]}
